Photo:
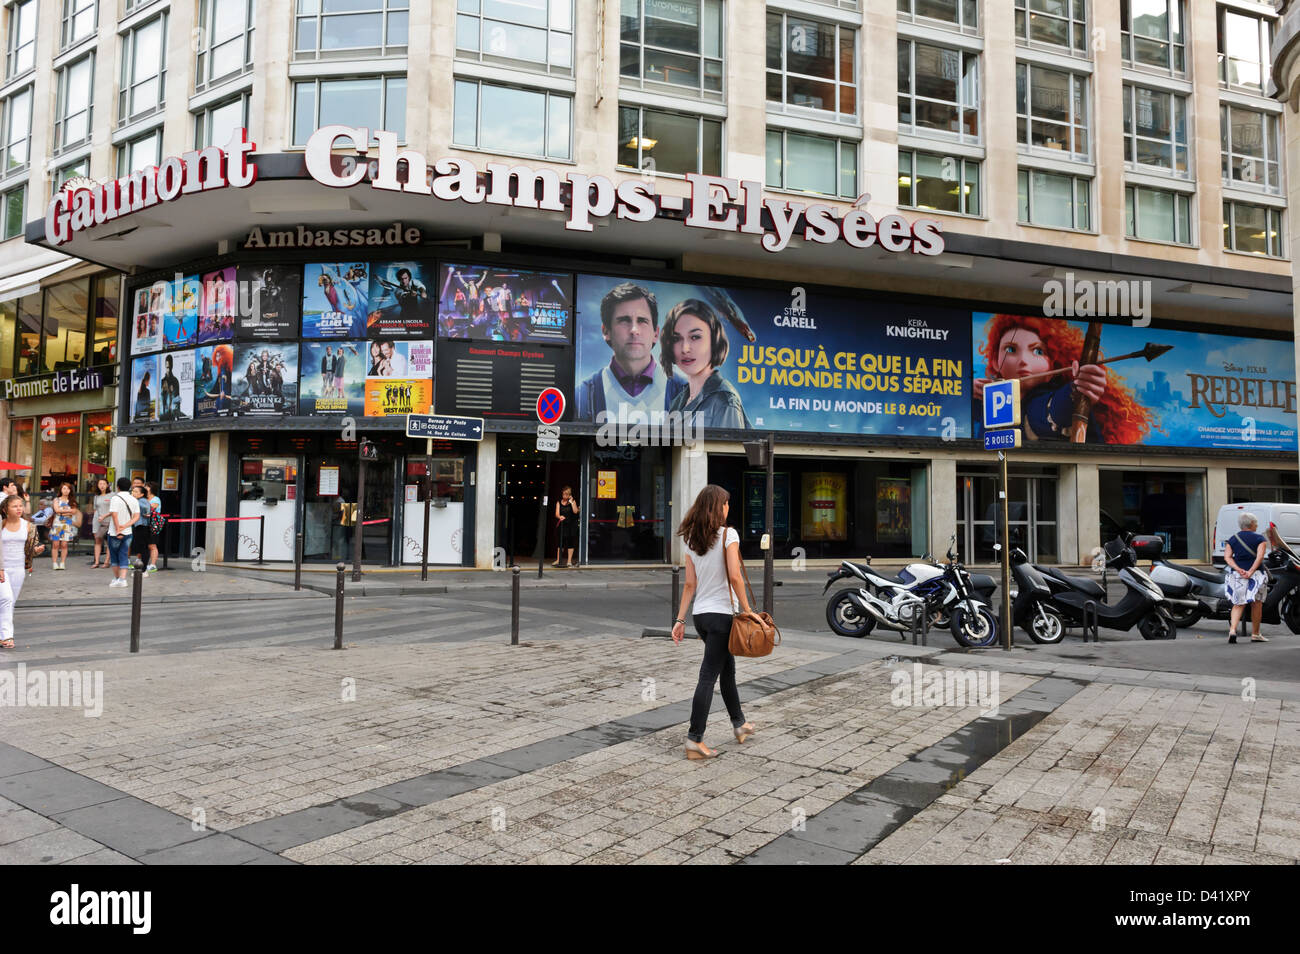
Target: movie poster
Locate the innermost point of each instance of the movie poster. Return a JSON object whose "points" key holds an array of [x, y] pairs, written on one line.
{"points": [[893, 510], [220, 301], [213, 380], [144, 390], [825, 514], [266, 378], [152, 306], [395, 397], [332, 377], [335, 300], [1149, 386], [181, 320], [401, 302], [176, 386], [274, 297], [398, 377], [491, 303]]}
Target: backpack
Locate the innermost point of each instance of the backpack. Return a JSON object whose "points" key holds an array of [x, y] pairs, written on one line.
{"points": [[156, 521]]}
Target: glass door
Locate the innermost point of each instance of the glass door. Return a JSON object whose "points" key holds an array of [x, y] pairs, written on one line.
{"points": [[330, 510], [1031, 512]]}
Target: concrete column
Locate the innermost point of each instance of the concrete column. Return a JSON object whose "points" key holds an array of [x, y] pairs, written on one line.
{"points": [[1067, 515], [485, 503], [1216, 498], [1087, 509], [218, 488], [943, 503], [745, 52], [690, 476]]}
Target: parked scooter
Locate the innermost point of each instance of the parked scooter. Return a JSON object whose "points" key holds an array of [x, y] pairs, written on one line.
{"points": [[1032, 609], [1186, 582]]}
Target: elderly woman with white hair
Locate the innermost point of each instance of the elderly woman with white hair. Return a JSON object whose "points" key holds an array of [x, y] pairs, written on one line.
{"points": [[1244, 577]]}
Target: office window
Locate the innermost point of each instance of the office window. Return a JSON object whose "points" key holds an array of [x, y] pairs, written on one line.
{"points": [[27, 359], [1157, 215], [15, 131], [103, 318], [938, 89], [72, 117], [1244, 42], [78, 20], [215, 125], [1155, 129], [817, 164], [140, 153], [8, 339], [656, 141], [811, 65], [1152, 34], [512, 121], [942, 183], [13, 211], [961, 14], [350, 28], [79, 168], [1054, 23], [225, 40], [319, 103], [1250, 147], [1048, 198], [536, 33], [1255, 229], [63, 333], [144, 70], [1052, 109], [675, 45], [20, 49]]}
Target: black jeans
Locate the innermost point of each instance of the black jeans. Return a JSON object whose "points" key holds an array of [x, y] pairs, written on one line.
{"points": [[715, 632]]}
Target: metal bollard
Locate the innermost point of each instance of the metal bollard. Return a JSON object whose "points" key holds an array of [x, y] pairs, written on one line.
{"points": [[514, 605], [166, 542], [261, 537], [916, 628], [297, 562], [137, 595], [1090, 612], [676, 596], [338, 606]]}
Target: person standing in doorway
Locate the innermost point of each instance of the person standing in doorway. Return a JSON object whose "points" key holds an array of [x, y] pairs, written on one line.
{"points": [[123, 514], [566, 528], [63, 526], [18, 550], [103, 495], [715, 584], [1244, 577]]}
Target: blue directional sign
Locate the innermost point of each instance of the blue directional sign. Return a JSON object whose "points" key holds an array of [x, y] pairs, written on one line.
{"points": [[1002, 404], [444, 428], [1007, 438]]}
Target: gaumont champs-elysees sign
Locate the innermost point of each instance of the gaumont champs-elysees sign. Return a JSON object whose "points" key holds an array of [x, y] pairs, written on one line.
{"points": [[715, 202]]}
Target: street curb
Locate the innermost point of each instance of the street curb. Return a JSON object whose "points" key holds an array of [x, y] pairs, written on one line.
{"points": [[172, 598]]}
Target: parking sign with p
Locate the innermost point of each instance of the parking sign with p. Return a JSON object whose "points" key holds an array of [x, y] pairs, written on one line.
{"points": [[1001, 404]]}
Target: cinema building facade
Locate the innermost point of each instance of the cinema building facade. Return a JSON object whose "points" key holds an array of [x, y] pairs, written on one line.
{"points": [[337, 257]]}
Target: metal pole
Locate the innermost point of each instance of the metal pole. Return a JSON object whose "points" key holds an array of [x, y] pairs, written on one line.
{"points": [[514, 605], [769, 558], [357, 528], [261, 536], [428, 494], [297, 561], [166, 542], [541, 518], [677, 570], [137, 594], [338, 605], [1006, 553]]}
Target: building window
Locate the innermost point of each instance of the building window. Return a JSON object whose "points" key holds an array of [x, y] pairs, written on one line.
{"points": [[1052, 109], [815, 164], [15, 131], [63, 333], [674, 45], [512, 121], [1157, 216], [225, 40], [72, 118], [215, 125], [144, 70], [1048, 198], [13, 211], [534, 33], [1249, 141], [1255, 229], [938, 89], [942, 183], [20, 52], [1053, 23], [961, 14], [76, 169], [810, 65], [104, 319], [140, 153], [1244, 41], [656, 141], [319, 103], [353, 28], [78, 20], [1155, 130], [1152, 34]]}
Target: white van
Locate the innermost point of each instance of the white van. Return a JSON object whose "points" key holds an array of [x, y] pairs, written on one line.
{"points": [[1286, 516]]}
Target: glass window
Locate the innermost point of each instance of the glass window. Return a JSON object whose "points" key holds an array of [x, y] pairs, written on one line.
{"points": [[1249, 143], [8, 337], [1244, 42], [1152, 34], [97, 437], [1048, 198], [103, 317], [810, 65], [144, 70], [140, 153], [15, 131], [60, 447], [674, 45], [1155, 130], [20, 52], [656, 141], [72, 120], [64, 330], [22, 446], [224, 40], [536, 33], [14, 200], [27, 360], [512, 121], [1252, 228], [323, 102], [1157, 215], [78, 20], [804, 163], [350, 28], [1052, 109], [942, 183], [215, 125], [938, 89], [1054, 23], [962, 14], [79, 168]]}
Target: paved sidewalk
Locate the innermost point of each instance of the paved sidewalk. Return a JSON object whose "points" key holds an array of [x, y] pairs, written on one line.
{"points": [[184, 582]]}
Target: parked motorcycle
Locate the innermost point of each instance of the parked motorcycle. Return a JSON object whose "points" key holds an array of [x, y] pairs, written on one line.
{"points": [[1187, 582], [1032, 609], [1144, 605]]}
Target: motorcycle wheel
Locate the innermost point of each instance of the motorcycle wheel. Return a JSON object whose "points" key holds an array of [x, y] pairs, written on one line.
{"points": [[974, 630], [1155, 626], [1291, 615], [1184, 620], [845, 619], [1046, 626]]}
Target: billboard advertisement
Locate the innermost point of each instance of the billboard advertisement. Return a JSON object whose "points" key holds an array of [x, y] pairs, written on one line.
{"points": [[401, 304], [213, 380], [796, 360], [220, 301], [275, 296], [152, 308], [490, 303], [399, 377], [181, 322], [1139, 385], [144, 390], [266, 378], [176, 386], [333, 378], [335, 300]]}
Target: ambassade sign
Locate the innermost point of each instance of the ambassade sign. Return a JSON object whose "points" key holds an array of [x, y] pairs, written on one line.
{"points": [[715, 203]]}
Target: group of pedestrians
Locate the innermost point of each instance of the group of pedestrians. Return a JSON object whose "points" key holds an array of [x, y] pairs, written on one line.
{"points": [[124, 523]]}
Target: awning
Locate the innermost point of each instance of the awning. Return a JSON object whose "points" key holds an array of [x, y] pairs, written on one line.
{"points": [[28, 282]]}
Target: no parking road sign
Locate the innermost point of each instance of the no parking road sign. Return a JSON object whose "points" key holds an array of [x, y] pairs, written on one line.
{"points": [[550, 406]]}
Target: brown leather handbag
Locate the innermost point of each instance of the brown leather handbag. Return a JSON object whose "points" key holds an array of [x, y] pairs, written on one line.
{"points": [[752, 634]]}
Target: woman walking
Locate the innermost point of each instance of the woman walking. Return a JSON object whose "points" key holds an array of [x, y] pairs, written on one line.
{"points": [[141, 537], [715, 583], [566, 516], [18, 548], [103, 495], [1243, 576], [155, 514], [63, 527]]}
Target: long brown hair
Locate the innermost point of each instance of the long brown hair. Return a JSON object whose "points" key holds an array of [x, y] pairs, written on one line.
{"points": [[704, 519]]}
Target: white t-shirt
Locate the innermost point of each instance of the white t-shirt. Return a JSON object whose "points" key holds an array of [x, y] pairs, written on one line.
{"points": [[126, 507], [712, 591]]}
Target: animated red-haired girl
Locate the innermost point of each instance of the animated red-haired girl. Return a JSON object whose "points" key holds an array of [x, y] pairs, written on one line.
{"points": [[1022, 347]]}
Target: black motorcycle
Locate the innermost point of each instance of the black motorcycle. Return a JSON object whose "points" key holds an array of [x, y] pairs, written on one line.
{"points": [[1144, 605], [1032, 609]]}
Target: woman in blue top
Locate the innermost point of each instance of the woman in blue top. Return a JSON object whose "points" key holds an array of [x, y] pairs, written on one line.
{"points": [[1244, 579]]}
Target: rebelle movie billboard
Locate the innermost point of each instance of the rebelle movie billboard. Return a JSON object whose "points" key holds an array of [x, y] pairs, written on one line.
{"points": [[1149, 386], [741, 358], [213, 380]]}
